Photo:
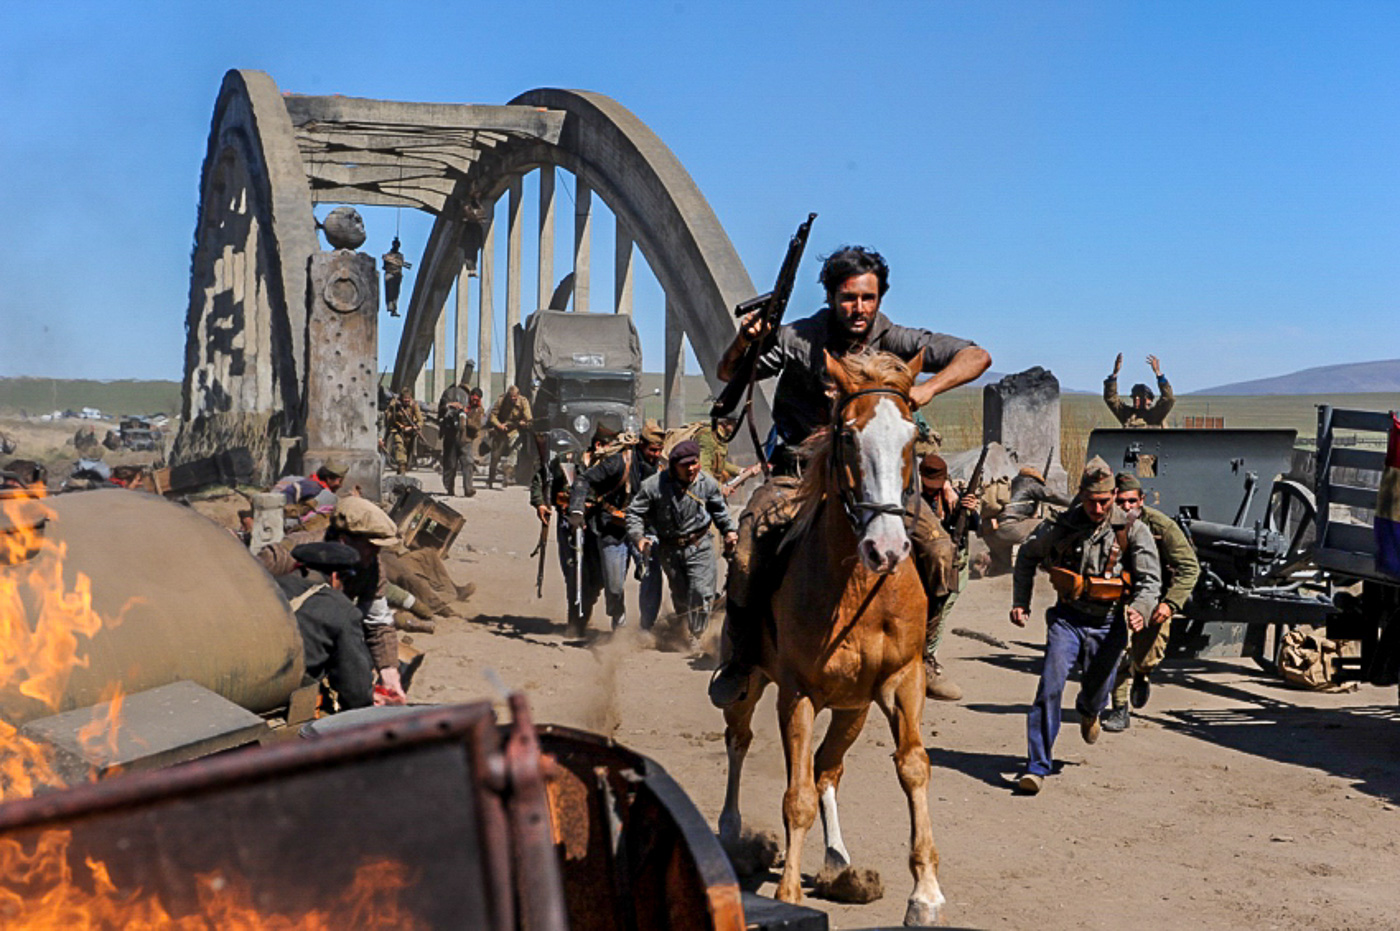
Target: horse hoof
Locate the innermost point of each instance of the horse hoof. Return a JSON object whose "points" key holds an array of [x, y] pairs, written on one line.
{"points": [[921, 914], [729, 825], [752, 853]]}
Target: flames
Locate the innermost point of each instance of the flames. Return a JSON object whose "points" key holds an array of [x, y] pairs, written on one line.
{"points": [[43, 623], [53, 897]]}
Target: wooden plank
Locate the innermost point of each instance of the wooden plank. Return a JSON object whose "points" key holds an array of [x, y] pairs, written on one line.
{"points": [[1353, 496], [1348, 457], [1350, 538], [366, 197], [1378, 421]]}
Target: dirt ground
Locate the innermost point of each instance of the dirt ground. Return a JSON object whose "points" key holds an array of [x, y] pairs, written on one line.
{"points": [[1232, 802]]}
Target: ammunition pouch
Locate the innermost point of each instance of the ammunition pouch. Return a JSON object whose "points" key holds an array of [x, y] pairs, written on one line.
{"points": [[1071, 586]]}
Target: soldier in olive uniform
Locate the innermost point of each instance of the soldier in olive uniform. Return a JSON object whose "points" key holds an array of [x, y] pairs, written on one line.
{"points": [[509, 417], [404, 423], [460, 419], [1143, 412], [945, 504], [673, 511], [1147, 642], [1105, 571]]}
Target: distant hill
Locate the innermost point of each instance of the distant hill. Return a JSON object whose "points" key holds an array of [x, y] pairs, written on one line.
{"points": [[1353, 378], [127, 396]]}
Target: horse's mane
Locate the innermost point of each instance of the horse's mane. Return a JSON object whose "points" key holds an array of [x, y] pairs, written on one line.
{"points": [[864, 370]]}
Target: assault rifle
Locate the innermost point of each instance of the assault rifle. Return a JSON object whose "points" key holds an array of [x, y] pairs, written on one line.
{"points": [[770, 307], [542, 547], [974, 485], [733, 485]]}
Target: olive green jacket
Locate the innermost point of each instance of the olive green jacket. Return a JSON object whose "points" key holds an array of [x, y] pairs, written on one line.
{"points": [[1180, 567]]}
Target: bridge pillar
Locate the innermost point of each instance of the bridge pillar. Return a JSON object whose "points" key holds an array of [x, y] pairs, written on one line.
{"points": [[442, 367], [546, 263], [513, 274], [673, 388], [486, 321], [583, 235], [622, 270], [464, 311]]}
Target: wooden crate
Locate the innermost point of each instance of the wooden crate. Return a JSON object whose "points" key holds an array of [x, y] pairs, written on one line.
{"points": [[423, 521]]}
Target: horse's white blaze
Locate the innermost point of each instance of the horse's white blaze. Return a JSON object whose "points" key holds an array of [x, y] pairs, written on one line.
{"points": [[882, 444], [837, 856]]}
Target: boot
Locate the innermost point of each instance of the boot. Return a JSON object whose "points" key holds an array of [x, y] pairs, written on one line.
{"points": [[1141, 690], [1117, 720], [937, 685], [466, 591], [409, 669], [730, 682], [405, 621]]}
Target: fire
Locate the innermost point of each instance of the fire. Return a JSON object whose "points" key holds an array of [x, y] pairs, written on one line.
{"points": [[53, 898]]}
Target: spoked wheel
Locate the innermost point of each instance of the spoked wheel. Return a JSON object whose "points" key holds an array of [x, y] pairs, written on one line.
{"points": [[1293, 514]]}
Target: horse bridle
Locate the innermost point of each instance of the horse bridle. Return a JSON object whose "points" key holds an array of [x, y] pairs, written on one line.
{"points": [[860, 513]]}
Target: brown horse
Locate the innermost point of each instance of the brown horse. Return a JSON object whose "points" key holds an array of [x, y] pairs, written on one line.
{"points": [[849, 626]]}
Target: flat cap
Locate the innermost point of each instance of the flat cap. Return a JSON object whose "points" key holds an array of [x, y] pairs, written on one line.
{"points": [[652, 433], [1033, 472], [326, 557], [1127, 481], [684, 452], [1097, 477], [356, 515]]}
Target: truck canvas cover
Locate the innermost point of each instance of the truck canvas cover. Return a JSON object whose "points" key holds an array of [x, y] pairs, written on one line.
{"points": [[556, 340]]}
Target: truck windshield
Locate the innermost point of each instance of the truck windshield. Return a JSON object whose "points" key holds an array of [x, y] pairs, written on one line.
{"points": [[612, 388]]}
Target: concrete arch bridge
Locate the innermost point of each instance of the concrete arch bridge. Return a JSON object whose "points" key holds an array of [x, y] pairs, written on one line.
{"points": [[281, 345]]}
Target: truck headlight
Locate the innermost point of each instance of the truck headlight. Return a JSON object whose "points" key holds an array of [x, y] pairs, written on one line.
{"points": [[631, 423], [581, 425]]}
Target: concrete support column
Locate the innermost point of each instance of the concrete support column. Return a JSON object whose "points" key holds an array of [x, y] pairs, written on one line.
{"points": [[442, 367], [513, 274], [546, 270], [420, 384], [583, 235], [486, 321], [459, 342], [673, 384], [622, 270]]}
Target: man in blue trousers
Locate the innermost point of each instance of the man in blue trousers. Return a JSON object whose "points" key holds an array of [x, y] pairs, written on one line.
{"points": [[1104, 569]]}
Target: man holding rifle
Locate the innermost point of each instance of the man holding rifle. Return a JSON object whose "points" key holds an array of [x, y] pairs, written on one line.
{"points": [[855, 279], [578, 548], [404, 422], [957, 515]]}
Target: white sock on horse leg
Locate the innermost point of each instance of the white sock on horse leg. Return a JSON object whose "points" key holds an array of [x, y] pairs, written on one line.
{"points": [[836, 855]]}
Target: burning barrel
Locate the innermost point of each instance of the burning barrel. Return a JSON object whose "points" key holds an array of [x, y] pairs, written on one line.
{"points": [[108, 588]]}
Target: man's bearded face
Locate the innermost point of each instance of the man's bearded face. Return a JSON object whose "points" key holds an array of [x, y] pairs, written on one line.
{"points": [[856, 302]]}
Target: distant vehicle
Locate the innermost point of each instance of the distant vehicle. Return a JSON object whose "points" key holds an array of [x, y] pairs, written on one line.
{"points": [[579, 370], [139, 433]]}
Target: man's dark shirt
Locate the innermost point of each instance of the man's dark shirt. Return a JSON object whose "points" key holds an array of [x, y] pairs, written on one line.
{"points": [[333, 640], [614, 483], [800, 403]]}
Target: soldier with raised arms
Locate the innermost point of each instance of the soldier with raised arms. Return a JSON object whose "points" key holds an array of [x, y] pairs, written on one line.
{"points": [[855, 279]]}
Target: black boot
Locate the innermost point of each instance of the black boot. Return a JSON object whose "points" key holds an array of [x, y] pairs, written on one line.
{"points": [[730, 682], [1141, 689], [1117, 720]]}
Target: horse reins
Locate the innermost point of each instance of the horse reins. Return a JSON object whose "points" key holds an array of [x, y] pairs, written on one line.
{"points": [[861, 513]]}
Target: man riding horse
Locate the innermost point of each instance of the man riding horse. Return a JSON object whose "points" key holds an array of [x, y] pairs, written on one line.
{"points": [[855, 279]]}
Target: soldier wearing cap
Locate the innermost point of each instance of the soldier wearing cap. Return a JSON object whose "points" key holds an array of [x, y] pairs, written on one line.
{"points": [[332, 632], [509, 418], [404, 422], [610, 482], [1104, 569], [553, 498], [672, 513], [944, 505], [311, 498], [460, 419], [1142, 412], [365, 528], [1147, 640], [1018, 518]]}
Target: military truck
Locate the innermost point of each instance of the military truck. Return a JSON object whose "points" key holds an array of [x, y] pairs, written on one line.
{"points": [[579, 370]]}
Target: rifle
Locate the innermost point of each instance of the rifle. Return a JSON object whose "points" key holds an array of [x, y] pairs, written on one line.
{"points": [[733, 485], [542, 547], [770, 308], [974, 483], [578, 573]]}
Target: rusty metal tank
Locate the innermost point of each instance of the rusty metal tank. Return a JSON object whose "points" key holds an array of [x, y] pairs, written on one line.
{"points": [[179, 598]]}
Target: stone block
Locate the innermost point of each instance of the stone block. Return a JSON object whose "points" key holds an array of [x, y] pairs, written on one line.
{"points": [[1022, 413]]}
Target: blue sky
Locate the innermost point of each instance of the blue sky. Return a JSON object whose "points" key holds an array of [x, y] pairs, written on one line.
{"points": [[1217, 183]]}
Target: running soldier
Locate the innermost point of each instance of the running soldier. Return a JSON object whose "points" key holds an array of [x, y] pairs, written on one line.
{"points": [[510, 417], [1104, 569], [404, 423], [564, 467], [943, 500], [672, 513], [460, 419]]}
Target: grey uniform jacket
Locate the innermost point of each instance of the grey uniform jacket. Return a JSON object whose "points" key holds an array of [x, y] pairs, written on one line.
{"points": [[800, 403], [663, 509], [1072, 542]]}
